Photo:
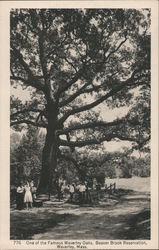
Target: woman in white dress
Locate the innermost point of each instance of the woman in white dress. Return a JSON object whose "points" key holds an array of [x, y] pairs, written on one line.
{"points": [[28, 196]]}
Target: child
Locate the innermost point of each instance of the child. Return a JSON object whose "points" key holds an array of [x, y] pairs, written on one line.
{"points": [[28, 196]]}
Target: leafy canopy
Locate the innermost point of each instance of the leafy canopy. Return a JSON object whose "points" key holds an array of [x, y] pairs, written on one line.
{"points": [[75, 60]]}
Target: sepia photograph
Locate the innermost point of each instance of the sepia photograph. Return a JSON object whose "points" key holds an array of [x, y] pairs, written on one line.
{"points": [[80, 156], [79, 125]]}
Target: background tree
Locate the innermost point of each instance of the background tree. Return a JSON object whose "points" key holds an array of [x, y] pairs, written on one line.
{"points": [[26, 157], [73, 167], [71, 61], [99, 164]]}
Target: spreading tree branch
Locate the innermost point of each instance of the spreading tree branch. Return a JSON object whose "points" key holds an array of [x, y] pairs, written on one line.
{"points": [[82, 90], [91, 125], [107, 138], [115, 50], [13, 123], [80, 72], [25, 111], [32, 79], [112, 92], [67, 85]]}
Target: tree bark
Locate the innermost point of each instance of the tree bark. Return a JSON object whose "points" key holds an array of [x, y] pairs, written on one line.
{"points": [[49, 154]]}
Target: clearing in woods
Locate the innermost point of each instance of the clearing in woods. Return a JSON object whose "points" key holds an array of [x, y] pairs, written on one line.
{"points": [[125, 215]]}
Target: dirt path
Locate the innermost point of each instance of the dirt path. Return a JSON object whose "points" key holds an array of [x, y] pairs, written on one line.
{"points": [[127, 218], [103, 222]]}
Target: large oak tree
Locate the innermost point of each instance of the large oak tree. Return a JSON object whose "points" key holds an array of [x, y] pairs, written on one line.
{"points": [[73, 60]]}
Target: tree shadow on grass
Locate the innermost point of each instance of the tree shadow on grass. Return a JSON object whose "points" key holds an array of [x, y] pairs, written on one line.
{"points": [[136, 227], [25, 225], [123, 216]]}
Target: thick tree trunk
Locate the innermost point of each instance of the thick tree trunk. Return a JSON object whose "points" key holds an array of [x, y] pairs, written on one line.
{"points": [[48, 165], [49, 155]]}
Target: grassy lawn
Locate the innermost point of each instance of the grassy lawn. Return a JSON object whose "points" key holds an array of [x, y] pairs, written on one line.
{"points": [[135, 183]]}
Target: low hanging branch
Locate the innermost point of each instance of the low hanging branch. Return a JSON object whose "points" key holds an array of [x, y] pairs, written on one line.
{"points": [[108, 137], [91, 125]]}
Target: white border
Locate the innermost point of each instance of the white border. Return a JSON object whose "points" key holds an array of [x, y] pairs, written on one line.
{"points": [[5, 7]]}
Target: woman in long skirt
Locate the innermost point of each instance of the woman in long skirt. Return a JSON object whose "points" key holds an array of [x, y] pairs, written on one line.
{"points": [[28, 196], [20, 196]]}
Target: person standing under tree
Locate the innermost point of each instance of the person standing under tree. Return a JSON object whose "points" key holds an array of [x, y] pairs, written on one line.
{"points": [[71, 190], [28, 196], [33, 190], [82, 189], [20, 196]]}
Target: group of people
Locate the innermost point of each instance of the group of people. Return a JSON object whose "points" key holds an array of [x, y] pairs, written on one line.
{"points": [[80, 190], [25, 195]]}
